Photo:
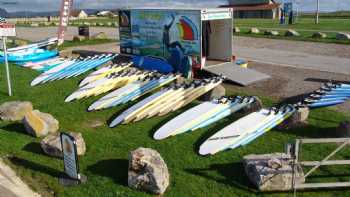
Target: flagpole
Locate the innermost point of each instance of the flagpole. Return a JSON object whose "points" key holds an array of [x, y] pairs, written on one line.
{"points": [[7, 67]]}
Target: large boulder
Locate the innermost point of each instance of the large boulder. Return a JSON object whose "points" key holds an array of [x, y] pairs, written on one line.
{"points": [[342, 36], [15, 110], [298, 119], [40, 124], [51, 144], [100, 35], [147, 171], [343, 129], [271, 33], [272, 172], [218, 92], [291, 33], [254, 30], [319, 35]]}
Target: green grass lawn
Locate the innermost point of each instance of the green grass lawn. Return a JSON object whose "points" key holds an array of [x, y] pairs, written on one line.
{"points": [[305, 26], [106, 159]]}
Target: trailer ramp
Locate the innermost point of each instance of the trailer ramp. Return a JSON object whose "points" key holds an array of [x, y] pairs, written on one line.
{"points": [[237, 74]]}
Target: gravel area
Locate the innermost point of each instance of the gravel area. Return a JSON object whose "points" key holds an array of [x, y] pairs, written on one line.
{"points": [[289, 83], [312, 48]]}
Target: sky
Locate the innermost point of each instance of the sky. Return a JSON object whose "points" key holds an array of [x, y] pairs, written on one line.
{"points": [[53, 5]]}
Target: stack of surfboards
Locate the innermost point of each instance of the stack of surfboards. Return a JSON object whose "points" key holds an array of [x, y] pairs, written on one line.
{"points": [[133, 91], [45, 64], [108, 83], [328, 95], [167, 100], [203, 115], [104, 71], [246, 129], [72, 68]]}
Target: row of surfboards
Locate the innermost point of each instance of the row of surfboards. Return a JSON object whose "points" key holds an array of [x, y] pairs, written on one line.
{"points": [[70, 68], [239, 133], [328, 95]]}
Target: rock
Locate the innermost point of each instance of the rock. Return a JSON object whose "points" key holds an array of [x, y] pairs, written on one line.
{"points": [[78, 38], [291, 32], [272, 172], [254, 30], [47, 23], [93, 24], [51, 144], [256, 106], [15, 110], [34, 25], [271, 33], [147, 171], [109, 24], [342, 36], [298, 119], [87, 23], [218, 92], [100, 36], [56, 24], [40, 124], [236, 30], [116, 24], [319, 35], [100, 24], [343, 130]]}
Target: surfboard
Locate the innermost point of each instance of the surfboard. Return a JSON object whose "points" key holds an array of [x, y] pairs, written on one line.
{"points": [[234, 132]]}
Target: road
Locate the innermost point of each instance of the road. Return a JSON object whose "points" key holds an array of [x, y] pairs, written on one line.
{"points": [[310, 55]]}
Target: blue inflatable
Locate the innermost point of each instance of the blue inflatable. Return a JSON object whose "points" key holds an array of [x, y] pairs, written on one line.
{"points": [[33, 57], [150, 63]]}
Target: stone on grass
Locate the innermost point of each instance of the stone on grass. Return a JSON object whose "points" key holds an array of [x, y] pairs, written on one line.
{"points": [[342, 36], [93, 24], [87, 23], [319, 35], [116, 24], [51, 144], [218, 92], [78, 38], [298, 119], [254, 30], [236, 30], [100, 24], [291, 32], [147, 171], [15, 110], [343, 130], [34, 25], [271, 33], [272, 172], [100, 36], [40, 124], [109, 24], [256, 106]]}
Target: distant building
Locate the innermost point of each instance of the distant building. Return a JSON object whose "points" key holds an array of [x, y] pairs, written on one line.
{"points": [[106, 14], [268, 9], [79, 14]]}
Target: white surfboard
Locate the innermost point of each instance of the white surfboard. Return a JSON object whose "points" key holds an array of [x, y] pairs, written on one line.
{"points": [[234, 132]]}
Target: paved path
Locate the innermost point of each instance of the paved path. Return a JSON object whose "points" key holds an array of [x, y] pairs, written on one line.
{"points": [[11, 185], [315, 56], [40, 33]]}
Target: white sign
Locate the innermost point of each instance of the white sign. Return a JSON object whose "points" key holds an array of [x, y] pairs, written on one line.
{"points": [[7, 30], [70, 156]]}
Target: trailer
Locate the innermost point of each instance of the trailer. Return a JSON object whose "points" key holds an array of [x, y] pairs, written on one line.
{"points": [[189, 40]]}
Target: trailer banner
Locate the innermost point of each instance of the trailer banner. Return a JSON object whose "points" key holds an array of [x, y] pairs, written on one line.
{"points": [[170, 34]]}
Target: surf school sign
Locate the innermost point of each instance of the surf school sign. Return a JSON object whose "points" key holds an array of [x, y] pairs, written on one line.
{"points": [[70, 156], [7, 30]]}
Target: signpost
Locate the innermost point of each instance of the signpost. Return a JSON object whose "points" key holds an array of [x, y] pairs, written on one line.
{"points": [[70, 159], [7, 30]]}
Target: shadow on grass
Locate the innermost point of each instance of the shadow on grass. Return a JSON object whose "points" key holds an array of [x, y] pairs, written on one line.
{"points": [[33, 147], [232, 175], [116, 169], [34, 166], [15, 127]]}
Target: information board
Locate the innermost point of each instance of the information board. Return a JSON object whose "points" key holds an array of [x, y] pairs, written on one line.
{"points": [[7, 30], [70, 156]]}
